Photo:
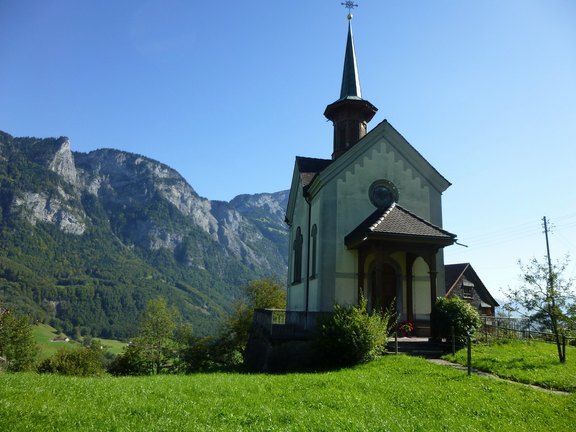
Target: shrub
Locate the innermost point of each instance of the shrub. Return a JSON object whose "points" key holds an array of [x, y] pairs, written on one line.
{"points": [[351, 335], [448, 312], [132, 361], [210, 353], [77, 362]]}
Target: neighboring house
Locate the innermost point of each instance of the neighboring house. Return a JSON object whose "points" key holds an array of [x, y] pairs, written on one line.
{"points": [[462, 281], [368, 221]]}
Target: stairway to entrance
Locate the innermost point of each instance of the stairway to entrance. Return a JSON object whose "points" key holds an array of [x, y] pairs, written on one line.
{"points": [[418, 346]]}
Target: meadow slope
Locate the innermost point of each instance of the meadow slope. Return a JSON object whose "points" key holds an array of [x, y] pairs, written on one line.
{"points": [[395, 393]]}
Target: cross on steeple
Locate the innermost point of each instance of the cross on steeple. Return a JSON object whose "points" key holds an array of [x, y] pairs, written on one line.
{"points": [[349, 5]]}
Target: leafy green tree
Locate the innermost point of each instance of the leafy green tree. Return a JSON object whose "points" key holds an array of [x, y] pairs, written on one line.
{"points": [[227, 348], [156, 335], [545, 298], [160, 345], [260, 294], [457, 313], [266, 294], [131, 362], [17, 347]]}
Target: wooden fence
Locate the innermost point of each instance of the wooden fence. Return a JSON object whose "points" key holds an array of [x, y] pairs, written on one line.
{"points": [[513, 328]]}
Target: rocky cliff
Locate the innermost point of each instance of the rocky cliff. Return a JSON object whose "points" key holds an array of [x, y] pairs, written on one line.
{"points": [[196, 251]]}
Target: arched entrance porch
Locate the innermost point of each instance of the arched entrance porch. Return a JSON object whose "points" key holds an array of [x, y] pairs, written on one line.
{"points": [[398, 236], [384, 286]]}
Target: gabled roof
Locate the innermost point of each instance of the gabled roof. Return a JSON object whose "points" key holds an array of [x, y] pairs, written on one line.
{"points": [[305, 171], [310, 167], [454, 275], [384, 130], [398, 224]]}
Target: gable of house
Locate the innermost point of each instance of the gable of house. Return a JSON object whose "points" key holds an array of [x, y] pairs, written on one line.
{"points": [[462, 281]]}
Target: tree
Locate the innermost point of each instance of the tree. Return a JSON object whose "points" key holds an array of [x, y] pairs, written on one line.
{"points": [[157, 333], [260, 294], [17, 347], [161, 342], [266, 294], [545, 298], [130, 362], [448, 313]]}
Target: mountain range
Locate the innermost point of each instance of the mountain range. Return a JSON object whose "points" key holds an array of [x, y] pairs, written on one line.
{"points": [[86, 239]]}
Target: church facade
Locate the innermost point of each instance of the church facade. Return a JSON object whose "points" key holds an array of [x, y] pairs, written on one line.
{"points": [[367, 222]]}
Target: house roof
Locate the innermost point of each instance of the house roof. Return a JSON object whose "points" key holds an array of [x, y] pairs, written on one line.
{"points": [[398, 224], [310, 167], [455, 274]]}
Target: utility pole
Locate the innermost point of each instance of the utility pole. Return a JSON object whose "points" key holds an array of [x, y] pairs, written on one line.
{"points": [[550, 281], [551, 296]]}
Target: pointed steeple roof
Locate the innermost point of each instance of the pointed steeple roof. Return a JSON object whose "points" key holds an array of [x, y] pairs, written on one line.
{"points": [[350, 80], [350, 114]]}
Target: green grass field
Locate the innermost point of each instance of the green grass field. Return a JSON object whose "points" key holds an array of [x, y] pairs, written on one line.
{"points": [[524, 361], [395, 393], [44, 335]]}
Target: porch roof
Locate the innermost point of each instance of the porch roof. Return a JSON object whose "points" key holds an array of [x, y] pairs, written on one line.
{"points": [[396, 224]]}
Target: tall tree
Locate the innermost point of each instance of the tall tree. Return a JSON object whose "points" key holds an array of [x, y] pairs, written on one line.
{"points": [[17, 347], [157, 333], [545, 297]]}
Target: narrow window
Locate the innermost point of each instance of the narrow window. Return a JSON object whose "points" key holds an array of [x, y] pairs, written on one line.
{"points": [[314, 235], [297, 263]]}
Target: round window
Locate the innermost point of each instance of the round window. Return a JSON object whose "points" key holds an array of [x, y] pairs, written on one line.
{"points": [[383, 194]]}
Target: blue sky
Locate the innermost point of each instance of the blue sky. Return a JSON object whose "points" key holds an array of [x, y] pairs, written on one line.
{"points": [[229, 92]]}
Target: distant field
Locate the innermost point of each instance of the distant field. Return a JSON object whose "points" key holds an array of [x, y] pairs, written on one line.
{"points": [[529, 362], [395, 393], [45, 334]]}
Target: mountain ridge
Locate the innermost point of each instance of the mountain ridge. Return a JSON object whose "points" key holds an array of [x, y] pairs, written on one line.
{"points": [[122, 210]]}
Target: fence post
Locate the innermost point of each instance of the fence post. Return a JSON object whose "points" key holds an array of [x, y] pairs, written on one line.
{"points": [[396, 339], [453, 336], [469, 341]]}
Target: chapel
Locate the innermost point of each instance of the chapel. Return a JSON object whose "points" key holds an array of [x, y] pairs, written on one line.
{"points": [[367, 222]]}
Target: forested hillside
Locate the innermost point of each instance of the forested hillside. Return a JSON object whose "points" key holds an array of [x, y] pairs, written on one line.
{"points": [[87, 239]]}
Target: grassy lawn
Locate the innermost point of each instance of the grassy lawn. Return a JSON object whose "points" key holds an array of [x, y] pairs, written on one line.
{"points": [[524, 361], [113, 346], [395, 393], [44, 334]]}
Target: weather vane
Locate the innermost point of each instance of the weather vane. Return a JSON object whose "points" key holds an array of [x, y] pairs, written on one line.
{"points": [[349, 5]]}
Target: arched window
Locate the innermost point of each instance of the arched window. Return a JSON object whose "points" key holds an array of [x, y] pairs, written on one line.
{"points": [[422, 304], [297, 262], [314, 235]]}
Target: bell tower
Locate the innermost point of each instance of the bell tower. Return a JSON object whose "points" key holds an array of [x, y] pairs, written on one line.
{"points": [[350, 114]]}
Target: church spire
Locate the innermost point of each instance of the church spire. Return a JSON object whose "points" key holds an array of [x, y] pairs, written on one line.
{"points": [[350, 114], [350, 80]]}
